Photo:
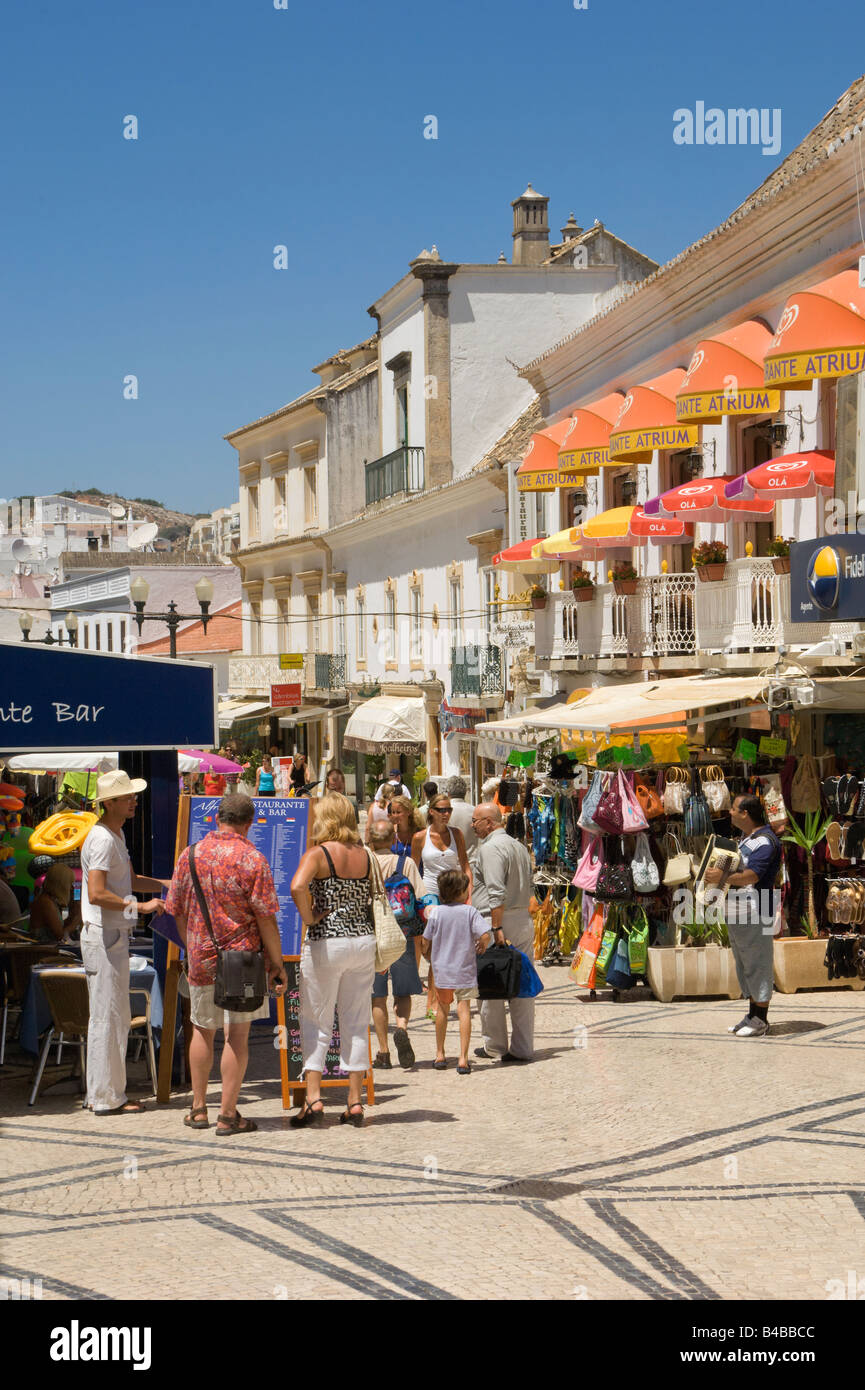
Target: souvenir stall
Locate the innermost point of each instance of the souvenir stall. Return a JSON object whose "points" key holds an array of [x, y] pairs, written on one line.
{"points": [[630, 795]]}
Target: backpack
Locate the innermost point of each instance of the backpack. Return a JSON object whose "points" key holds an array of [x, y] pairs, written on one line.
{"points": [[400, 895]]}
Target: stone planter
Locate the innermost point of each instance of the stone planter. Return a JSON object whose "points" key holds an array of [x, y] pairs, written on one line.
{"points": [[583, 595], [710, 574], [799, 965], [781, 564], [685, 971], [625, 586]]}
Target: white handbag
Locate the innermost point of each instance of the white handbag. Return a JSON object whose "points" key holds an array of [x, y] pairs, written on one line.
{"points": [[679, 868], [644, 870], [389, 938], [675, 791], [715, 789]]}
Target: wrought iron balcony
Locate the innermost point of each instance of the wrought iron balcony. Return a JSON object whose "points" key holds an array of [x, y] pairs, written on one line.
{"points": [[476, 671], [325, 672], [402, 470]]}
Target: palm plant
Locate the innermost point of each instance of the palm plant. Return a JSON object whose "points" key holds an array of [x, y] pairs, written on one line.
{"points": [[808, 838]]}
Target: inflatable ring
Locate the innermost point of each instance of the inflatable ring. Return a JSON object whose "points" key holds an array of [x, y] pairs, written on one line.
{"points": [[65, 831], [9, 789]]}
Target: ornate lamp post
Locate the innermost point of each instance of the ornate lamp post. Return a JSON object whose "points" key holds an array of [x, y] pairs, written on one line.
{"points": [[138, 592], [25, 622]]}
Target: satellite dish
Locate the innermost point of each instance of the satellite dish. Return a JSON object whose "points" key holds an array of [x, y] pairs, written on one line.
{"points": [[118, 512], [143, 535], [22, 550]]}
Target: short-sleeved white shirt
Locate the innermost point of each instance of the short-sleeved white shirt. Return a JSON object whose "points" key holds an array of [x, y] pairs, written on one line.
{"points": [[103, 849]]}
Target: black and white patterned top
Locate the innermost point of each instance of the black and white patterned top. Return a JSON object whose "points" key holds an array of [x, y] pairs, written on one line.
{"points": [[346, 901]]}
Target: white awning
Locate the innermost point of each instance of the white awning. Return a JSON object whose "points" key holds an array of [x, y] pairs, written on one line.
{"points": [[232, 710], [305, 713], [386, 724], [81, 762]]}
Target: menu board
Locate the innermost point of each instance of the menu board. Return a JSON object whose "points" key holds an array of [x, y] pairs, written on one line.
{"points": [[279, 829], [291, 1039]]}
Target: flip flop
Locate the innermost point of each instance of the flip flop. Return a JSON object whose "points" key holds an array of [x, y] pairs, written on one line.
{"points": [[440, 1066], [464, 1071]]}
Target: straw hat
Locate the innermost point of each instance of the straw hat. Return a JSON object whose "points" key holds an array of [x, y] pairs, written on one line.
{"points": [[118, 783]]}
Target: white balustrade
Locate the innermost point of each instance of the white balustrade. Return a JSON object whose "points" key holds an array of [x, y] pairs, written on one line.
{"points": [[749, 610]]}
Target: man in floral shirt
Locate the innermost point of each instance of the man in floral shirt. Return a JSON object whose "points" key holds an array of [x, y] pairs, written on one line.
{"points": [[238, 888]]}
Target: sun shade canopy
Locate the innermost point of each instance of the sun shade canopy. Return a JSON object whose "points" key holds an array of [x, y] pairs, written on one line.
{"points": [[539, 470], [725, 377], [793, 475], [585, 446], [705, 500], [625, 526], [386, 724], [647, 421], [821, 334], [520, 558]]}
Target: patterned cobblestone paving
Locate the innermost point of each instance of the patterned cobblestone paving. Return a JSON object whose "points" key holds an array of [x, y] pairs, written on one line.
{"points": [[645, 1154]]}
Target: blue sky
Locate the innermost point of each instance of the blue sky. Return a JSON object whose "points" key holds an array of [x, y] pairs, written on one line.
{"points": [[304, 126]]}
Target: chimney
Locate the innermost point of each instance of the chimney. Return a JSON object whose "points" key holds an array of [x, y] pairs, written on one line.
{"points": [[571, 229], [531, 228]]}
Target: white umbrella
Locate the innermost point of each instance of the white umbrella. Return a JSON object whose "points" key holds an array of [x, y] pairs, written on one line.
{"points": [[81, 762]]}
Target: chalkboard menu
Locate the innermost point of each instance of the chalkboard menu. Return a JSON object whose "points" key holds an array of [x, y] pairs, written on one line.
{"points": [[279, 829], [291, 1040]]}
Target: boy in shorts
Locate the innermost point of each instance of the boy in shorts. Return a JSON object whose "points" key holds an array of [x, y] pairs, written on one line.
{"points": [[454, 937]]}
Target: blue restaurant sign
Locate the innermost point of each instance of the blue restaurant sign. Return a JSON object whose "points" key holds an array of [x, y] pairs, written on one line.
{"points": [[827, 579], [56, 699]]}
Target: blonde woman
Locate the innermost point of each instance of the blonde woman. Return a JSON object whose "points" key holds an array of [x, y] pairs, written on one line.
{"points": [[435, 850], [331, 890], [404, 819]]}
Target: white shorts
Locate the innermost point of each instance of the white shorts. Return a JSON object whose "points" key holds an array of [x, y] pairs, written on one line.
{"points": [[204, 1013]]}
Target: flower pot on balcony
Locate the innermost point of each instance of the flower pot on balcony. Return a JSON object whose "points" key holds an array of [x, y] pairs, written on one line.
{"points": [[539, 604], [781, 564], [686, 971], [583, 595], [710, 574], [799, 965], [625, 586]]}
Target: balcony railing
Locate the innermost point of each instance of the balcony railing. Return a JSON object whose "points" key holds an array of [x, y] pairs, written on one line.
{"points": [[476, 671], [679, 615], [399, 471], [254, 675], [325, 672]]}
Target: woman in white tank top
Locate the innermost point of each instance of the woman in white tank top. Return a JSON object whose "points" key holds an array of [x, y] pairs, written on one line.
{"points": [[438, 847]]}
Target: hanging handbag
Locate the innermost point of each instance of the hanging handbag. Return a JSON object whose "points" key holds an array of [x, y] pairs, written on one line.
{"points": [[241, 979], [389, 939], [590, 865], [698, 818], [608, 814], [773, 801], [643, 867], [715, 790], [638, 942], [619, 971], [678, 870], [590, 803], [653, 806], [675, 787], [805, 791], [583, 964], [605, 954], [615, 883], [633, 817]]}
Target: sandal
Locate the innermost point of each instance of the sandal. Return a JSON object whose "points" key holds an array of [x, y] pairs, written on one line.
{"points": [[308, 1115], [192, 1123], [440, 1066], [382, 1060], [130, 1107], [235, 1124], [347, 1118]]}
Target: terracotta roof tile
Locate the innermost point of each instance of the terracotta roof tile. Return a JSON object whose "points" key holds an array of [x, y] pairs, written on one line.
{"points": [[224, 634]]}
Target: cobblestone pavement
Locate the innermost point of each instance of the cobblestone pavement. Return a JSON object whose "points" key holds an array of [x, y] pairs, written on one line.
{"points": [[645, 1154]]}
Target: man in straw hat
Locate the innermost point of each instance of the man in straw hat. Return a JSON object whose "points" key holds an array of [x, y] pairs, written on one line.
{"points": [[109, 912]]}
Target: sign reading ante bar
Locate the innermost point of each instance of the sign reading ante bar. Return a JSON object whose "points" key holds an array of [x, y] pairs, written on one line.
{"points": [[54, 700], [827, 579]]}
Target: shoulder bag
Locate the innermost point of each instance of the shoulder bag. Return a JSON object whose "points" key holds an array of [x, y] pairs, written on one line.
{"points": [[643, 867], [678, 870], [389, 939], [633, 816], [698, 817], [805, 791], [715, 789], [615, 883], [608, 813], [653, 806], [590, 802], [675, 788], [590, 865], [241, 979]]}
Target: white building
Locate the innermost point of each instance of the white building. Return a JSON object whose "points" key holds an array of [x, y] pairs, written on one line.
{"points": [[368, 524], [218, 534]]}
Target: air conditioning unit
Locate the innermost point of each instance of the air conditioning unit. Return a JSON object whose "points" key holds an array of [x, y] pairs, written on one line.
{"points": [[857, 643]]}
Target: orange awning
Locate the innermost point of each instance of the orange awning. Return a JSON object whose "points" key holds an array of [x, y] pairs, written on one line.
{"points": [[647, 421], [584, 449], [821, 334], [539, 470], [725, 376]]}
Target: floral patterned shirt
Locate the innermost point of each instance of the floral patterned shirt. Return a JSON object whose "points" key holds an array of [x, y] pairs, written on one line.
{"points": [[236, 881]]}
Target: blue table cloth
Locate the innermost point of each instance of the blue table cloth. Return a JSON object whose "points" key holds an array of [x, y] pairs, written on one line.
{"points": [[36, 1015]]}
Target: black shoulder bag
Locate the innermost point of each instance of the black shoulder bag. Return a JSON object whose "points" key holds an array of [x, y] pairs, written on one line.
{"points": [[241, 979]]}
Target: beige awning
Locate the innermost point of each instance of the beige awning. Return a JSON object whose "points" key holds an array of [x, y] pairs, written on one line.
{"points": [[387, 724], [230, 711]]}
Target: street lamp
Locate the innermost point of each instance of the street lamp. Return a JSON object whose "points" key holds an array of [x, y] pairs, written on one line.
{"points": [[139, 590], [25, 622]]}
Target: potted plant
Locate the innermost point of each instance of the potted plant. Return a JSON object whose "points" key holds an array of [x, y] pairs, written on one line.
{"points": [[702, 965], [624, 578], [538, 596], [583, 586], [710, 560], [779, 549]]}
